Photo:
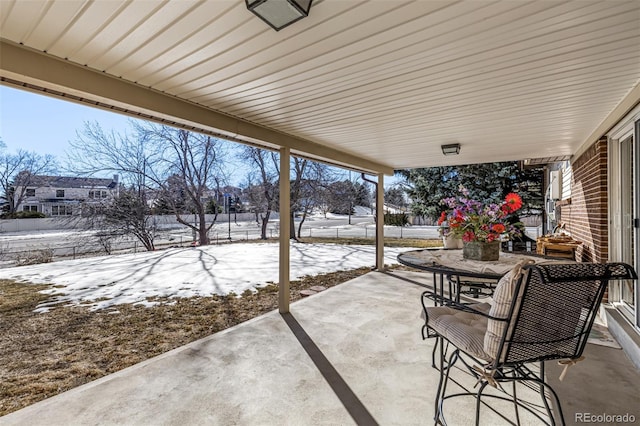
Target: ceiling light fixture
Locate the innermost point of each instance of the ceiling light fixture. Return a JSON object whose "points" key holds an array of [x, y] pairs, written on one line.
{"points": [[451, 149], [279, 13]]}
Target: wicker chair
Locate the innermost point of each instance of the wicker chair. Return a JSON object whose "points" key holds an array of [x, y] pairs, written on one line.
{"points": [[539, 312]]}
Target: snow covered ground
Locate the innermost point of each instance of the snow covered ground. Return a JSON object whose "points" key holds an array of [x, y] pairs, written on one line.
{"points": [[106, 281]]}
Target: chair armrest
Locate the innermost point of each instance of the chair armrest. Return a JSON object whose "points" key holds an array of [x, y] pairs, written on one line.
{"points": [[445, 301], [431, 295]]}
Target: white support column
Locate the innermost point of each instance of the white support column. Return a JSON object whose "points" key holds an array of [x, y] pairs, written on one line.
{"points": [[380, 223], [285, 223]]}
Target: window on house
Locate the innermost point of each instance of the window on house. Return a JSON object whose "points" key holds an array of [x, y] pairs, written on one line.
{"points": [[61, 211], [30, 208], [31, 192], [97, 194], [60, 193]]}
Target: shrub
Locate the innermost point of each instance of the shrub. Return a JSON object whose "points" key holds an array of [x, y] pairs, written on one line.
{"points": [[23, 215], [30, 215], [34, 257], [396, 219]]}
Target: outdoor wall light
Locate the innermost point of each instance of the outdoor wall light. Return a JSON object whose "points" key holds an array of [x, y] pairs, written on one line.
{"points": [[279, 13], [451, 149]]}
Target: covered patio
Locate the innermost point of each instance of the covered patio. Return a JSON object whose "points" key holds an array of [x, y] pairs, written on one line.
{"points": [[369, 86], [350, 355]]}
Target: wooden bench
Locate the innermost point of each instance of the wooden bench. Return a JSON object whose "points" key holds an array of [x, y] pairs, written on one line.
{"points": [[563, 247]]}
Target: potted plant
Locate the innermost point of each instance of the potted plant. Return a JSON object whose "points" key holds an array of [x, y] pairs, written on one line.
{"points": [[481, 226], [449, 239]]}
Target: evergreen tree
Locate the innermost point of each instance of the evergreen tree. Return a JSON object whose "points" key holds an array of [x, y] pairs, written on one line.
{"points": [[395, 197], [161, 206], [362, 196], [489, 182], [211, 207], [427, 186], [341, 197]]}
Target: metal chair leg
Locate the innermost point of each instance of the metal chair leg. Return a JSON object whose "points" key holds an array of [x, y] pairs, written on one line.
{"points": [[442, 386], [544, 386], [479, 401], [543, 395], [515, 403], [433, 353], [440, 344]]}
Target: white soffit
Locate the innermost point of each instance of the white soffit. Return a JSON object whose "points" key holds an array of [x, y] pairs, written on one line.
{"points": [[388, 81]]}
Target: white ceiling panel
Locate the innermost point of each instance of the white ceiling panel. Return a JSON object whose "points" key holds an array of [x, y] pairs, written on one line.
{"points": [[385, 80]]}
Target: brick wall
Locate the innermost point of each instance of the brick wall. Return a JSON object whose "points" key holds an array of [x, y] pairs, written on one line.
{"points": [[585, 216]]}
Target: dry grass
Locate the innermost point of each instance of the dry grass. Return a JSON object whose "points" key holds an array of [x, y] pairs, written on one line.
{"points": [[42, 355]]}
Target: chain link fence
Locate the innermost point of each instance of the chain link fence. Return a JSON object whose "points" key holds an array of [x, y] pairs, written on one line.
{"points": [[48, 246]]}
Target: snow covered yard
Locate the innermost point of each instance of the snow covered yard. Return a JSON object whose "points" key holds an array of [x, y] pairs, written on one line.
{"points": [[102, 282]]}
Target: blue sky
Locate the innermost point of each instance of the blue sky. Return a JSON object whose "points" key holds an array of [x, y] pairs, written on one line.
{"points": [[45, 124]]}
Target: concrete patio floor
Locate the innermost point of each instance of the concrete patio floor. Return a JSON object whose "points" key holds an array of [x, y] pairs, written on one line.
{"points": [[350, 355]]}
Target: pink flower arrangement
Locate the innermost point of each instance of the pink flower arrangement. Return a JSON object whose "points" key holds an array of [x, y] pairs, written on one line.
{"points": [[472, 220]]}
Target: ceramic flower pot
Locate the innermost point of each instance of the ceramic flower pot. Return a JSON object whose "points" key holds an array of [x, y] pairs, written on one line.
{"points": [[477, 250], [452, 242]]}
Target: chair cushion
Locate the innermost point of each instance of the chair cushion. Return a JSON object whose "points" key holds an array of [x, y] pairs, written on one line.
{"points": [[500, 306], [464, 330]]}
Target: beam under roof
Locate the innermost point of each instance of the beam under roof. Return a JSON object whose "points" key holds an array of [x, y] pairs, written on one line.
{"points": [[36, 70]]}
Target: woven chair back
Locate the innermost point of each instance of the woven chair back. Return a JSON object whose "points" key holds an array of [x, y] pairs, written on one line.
{"points": [[554, 308]]}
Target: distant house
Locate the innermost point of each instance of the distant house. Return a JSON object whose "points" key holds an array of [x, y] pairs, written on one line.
{"points": [[64, 196]]}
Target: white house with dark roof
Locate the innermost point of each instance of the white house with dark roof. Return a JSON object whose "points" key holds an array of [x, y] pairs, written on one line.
{"points": [[62, 195]]}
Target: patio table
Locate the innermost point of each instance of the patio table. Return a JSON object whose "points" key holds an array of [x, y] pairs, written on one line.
{"points": [[449, 265]]}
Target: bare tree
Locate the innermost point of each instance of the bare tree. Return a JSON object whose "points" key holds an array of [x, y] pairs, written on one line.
{"points": [[307, 185], [128, 213], [196, 159], [308, 182], [16, 172], [264, 194], [98, 152], [147, 159], [344, 195]]}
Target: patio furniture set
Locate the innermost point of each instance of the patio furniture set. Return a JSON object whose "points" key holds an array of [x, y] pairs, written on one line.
{"points": [[542, 309]]}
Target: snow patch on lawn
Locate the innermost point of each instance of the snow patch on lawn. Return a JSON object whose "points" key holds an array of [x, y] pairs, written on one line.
{"points": [[105, 281]]}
